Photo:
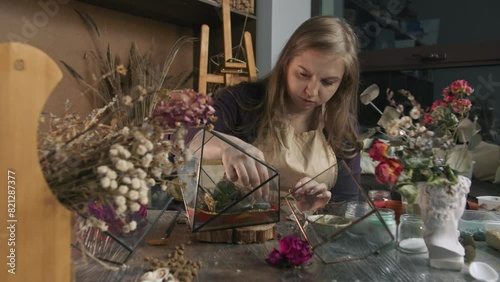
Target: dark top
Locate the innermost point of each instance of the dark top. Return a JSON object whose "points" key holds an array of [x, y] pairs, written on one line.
{"points": [[237, 116]]}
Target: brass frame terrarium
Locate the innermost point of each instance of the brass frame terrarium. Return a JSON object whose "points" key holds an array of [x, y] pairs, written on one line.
{"points": [[213, 202], [350, 231]]}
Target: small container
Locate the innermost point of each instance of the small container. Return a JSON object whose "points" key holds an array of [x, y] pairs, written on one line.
{"points": [[410, 234], [489, 203], [354, 211], [472, 223], [379, 197], [492, 234], [377, 229]]}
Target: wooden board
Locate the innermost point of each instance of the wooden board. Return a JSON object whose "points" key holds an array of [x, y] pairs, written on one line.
{"points": [[42, 226]]}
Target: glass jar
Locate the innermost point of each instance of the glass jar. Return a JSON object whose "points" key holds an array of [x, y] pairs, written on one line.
{"points": [[410, 234], [379, 197], [356, 209], [377, 228]]}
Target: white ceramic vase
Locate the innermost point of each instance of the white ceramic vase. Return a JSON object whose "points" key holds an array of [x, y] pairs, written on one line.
{"points": [[441, 208]]}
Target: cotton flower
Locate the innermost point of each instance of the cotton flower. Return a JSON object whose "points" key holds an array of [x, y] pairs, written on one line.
{"points": [[132, 225], [136, 183], [134, 207], [105, 182], [149, 145], [141, 150], [113, 184], [126, 180], [125, 131], [123, 189], [120, 200], [143, 200], [127, 100], [111, 174], [126, 229], [133, 195], [102, 169], [141, 173], [113, 152], [121, 165]]}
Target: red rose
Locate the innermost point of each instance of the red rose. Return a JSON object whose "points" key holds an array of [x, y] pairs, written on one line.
{"points": [[388, 171], [378, 150]]}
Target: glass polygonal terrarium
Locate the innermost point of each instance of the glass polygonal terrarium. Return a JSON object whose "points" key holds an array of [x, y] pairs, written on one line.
{"points": [[348, 230], [213, 202]]}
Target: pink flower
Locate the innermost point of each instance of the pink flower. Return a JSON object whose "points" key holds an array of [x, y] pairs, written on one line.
{"points": [[293, 251], [378, 150], [461, 87], [184, 108], [436, 104], [461, 105], [388, 171]]}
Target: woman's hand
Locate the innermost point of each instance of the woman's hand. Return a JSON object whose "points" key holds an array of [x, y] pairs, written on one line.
{"points": [[311, 195], [243, 170]]}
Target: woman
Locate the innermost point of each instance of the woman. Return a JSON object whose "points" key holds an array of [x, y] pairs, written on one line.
{"points": [[300, 118]]}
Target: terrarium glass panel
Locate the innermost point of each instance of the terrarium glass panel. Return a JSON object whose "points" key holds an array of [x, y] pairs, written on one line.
{"points": [[213, 202], [347, 230]]}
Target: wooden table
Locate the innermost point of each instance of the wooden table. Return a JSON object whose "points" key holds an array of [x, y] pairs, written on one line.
{"points": [[229, 262]]}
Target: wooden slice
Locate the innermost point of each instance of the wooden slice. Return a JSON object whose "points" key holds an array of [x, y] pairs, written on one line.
{"points": [[241, 235]]}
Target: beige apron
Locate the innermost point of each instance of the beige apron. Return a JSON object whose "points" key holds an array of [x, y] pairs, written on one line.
{"points": [[304, 154]]}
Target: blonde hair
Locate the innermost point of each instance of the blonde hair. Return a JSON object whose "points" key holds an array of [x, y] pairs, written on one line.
{"points": [[329, 35]]}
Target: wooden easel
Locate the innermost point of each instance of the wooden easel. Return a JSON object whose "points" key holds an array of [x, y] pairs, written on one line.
{"points": [[230, 72]]}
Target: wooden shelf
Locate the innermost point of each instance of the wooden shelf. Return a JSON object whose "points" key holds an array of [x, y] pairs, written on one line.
{"points": [[191, 13]]}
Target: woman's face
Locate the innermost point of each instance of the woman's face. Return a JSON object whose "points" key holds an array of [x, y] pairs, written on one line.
{"points": [[312, 79]]}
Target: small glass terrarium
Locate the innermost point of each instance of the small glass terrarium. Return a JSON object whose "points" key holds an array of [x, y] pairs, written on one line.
{"points": [[347, 231], [213, 202]]}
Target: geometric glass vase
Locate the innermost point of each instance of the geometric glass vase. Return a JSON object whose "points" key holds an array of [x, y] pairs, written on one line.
{"points": [[115, 246], [348, 230], [213, 202]]}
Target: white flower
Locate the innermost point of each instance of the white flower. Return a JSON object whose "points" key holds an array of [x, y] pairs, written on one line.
{"points": [[126, 228], [132, 225], [127, 101], [143, 192], [123, 189], [121, 165], [134, 207], [141, 150], [105, 181], [149, 145], [130, 165], [113, 152], [136, 183], [146, 160], [124, 153], [143, 200], [111, 174], [102, 169], [102, 225], [406, 121], [415, 113], [139, 136], [164, 187], [126, 180], [133, 195], [141, 174], [120, 200], [113, 185], [156, 172], [120, 209], [150, 182], [125, 131]]}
